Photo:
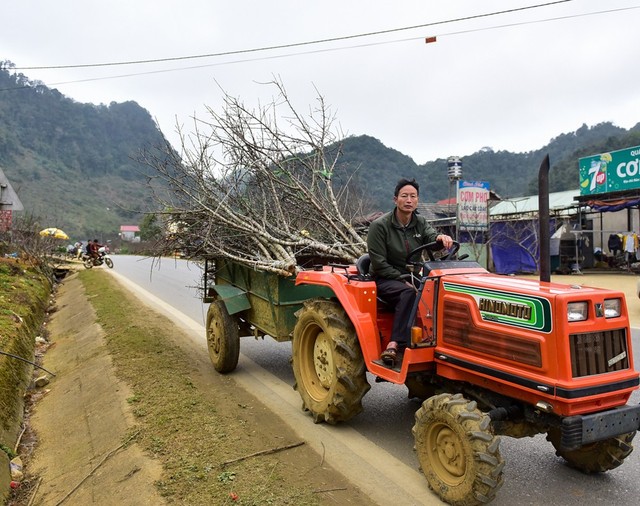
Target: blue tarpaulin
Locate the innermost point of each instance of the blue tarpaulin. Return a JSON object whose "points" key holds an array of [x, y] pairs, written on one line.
{"points": [[514, 246]]}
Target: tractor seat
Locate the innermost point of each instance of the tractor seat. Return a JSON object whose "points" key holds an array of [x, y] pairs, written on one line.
{"points": [[362, 266]]}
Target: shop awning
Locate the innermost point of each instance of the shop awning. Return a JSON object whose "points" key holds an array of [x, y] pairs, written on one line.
{"points": [[613, 205]]}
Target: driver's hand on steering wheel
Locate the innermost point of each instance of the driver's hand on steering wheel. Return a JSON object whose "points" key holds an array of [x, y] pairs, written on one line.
{"points": [[446, 240]]}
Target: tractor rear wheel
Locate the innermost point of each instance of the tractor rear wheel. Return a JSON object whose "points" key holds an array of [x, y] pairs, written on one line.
{"points": [[223, 339], [597, 457], [327, 362], [458, 453]]}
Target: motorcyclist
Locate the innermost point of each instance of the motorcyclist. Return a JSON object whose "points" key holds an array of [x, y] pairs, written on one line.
{"points": [[94, 248], [78, 250]]}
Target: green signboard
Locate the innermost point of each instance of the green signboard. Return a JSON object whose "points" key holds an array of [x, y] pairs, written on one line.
{"points": [[610, 172]]}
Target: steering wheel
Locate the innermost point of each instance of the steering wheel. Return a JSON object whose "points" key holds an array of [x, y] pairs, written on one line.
{"points": [[430, 247]]}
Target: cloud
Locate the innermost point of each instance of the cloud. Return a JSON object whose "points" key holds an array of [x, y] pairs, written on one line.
{"points": [[513, 87]]}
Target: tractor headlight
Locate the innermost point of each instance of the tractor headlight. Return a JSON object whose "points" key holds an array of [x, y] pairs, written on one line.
{"points": [[612, 308], [577, 311]]}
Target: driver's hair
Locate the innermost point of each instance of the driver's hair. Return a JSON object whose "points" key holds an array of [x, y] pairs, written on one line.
{"points": [[404, 182]]}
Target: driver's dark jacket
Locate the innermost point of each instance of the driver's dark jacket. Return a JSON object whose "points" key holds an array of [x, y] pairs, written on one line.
{"points": [[389, 243]]}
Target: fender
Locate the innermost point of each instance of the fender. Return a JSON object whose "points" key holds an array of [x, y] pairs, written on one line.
{"points": [[358, 299], [235, 299]]}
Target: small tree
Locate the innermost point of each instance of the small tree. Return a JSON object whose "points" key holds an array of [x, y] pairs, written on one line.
{"points": [[150, 230], [24, 242], [259, 186]]}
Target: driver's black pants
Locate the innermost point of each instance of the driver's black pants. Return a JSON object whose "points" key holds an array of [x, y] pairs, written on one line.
{"points": [[400, 296]]}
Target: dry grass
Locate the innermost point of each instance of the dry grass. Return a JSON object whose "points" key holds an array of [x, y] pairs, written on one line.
{"points": [[193, 420]]}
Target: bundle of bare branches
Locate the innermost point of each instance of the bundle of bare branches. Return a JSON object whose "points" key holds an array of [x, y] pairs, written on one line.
{"points": [[258, 189]]}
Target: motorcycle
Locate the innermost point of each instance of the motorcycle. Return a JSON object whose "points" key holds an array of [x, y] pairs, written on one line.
{"points": [[102, 258]]}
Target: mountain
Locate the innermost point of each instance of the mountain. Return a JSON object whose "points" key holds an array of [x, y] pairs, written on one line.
{"points": [[377, 167], [74, 165]]}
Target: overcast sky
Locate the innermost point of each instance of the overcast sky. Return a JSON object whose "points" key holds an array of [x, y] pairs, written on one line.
{"points": [[508, 81]]}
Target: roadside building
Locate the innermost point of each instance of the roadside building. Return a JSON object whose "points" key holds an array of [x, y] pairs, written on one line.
{"points": [[130, 233]]}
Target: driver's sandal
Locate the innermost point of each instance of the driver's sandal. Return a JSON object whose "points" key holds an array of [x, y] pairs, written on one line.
{"points": [[390, 355]]}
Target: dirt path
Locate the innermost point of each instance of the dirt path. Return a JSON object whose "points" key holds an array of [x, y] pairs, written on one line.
{"points": [[84, 418]]}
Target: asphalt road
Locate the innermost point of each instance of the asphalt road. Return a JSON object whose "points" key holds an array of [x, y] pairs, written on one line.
{"points": [[533, 474]]}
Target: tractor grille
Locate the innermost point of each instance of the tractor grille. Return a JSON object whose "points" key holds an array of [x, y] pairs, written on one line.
{"points": [[599, 352], [460, 330]]}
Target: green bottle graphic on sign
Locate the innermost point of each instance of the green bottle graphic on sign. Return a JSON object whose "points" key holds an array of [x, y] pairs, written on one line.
{"points": [[597, 174]]}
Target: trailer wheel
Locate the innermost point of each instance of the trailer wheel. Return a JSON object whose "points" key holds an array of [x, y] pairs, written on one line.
{"points": [[327, 363], [457, 451], [223, 339], [597, 457]]}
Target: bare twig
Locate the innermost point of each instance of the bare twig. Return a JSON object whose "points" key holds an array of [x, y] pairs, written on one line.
{"points": [[262, 452], [15, 448], [104, 459], [323, 490], [34, 492]]}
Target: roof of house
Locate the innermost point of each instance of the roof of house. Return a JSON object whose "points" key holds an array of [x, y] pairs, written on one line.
{"points": [[129, 228], [559, 203]]}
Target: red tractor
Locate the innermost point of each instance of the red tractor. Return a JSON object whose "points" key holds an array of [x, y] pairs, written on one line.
{"points": [[491, 355]]}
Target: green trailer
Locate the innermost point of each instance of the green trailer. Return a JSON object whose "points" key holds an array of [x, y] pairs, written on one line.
{"points": [[246, 301]]}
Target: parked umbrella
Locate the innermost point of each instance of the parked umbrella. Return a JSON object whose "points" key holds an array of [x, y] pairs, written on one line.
{"points": [[56, 233]]}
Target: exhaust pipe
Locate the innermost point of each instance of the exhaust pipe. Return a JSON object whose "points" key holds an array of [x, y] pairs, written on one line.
{"points": [[543, 220]]}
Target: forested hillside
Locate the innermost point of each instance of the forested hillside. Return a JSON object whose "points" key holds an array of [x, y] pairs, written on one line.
{"points": [[74, 165], [509, 174]]}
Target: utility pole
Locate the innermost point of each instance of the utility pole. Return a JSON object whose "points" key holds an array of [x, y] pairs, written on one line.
{"points": [[454, 173]]}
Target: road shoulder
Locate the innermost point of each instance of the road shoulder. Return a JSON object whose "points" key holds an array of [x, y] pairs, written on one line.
{"points": [[83, 422]]}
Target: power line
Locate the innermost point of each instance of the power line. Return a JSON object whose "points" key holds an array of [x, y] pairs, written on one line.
{"points": [[317, 51], [294, 44], [546, 20]]}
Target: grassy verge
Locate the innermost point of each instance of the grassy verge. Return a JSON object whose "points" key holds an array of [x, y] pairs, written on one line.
{"points": [[192, 427], [23, 299]]}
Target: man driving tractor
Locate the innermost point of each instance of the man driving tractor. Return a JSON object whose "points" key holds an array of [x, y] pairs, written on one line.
{"points": [[391, 238]]}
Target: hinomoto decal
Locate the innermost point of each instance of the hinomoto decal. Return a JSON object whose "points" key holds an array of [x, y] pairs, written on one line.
{"points": [[515, 309]]}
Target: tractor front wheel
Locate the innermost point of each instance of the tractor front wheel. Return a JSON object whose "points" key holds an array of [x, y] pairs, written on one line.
{"points": [[327, 362], [597, 457], [223, 338], [458, 453]]}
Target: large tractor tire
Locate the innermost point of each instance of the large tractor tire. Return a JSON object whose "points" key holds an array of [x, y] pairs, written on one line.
{"points": [[327, 363], [597, 457], [458, 453], [223, 338]]}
